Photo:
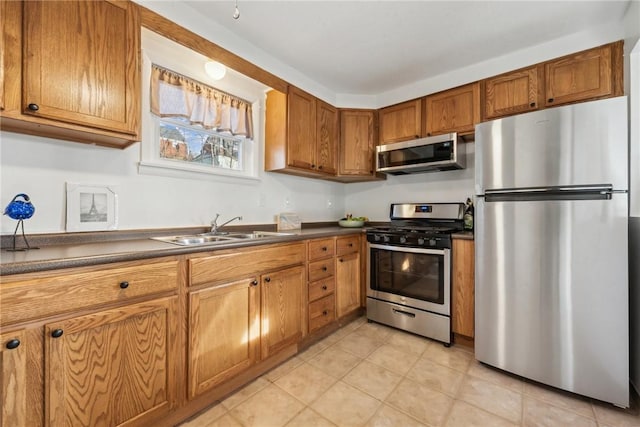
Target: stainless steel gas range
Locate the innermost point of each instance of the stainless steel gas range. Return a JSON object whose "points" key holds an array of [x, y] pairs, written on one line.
{"points": [[409, 275]]}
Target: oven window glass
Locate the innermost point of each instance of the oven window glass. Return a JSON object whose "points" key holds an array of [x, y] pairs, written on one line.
{"points": [[413, 275]]}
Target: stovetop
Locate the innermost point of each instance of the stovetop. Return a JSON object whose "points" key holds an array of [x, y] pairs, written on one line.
{"points": [[426, 225]]}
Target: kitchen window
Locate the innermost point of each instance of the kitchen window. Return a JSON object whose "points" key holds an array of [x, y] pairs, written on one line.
{"points": [[191, 128]]}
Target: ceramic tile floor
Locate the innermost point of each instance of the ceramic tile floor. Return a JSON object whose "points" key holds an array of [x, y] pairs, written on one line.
{"points": [[366, 374]]}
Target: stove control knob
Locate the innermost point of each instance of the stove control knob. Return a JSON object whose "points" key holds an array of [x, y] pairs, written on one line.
{"points": [[386, 239], [432, 242], [376, 237], [421, 241], [403, 239]]}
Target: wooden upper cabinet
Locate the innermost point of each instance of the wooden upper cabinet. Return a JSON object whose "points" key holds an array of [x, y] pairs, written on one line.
{"points": [[590, 74], [357, 143], [80, 75], [326, 138], [302, 129], [401, 122], [454, 110], [512, 93]]}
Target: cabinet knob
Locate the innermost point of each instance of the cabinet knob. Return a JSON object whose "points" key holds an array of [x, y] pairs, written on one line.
{"points": [[550, 100], [313, 166], [341, 260], [428, 133], [57, 333], [324, 268], [350, 245], [267, 279], [33, 107], [371, 171], [320, 167], [325, 312], [14, 343], [324, 287], [533, 104], [255, 282], [324, 248], [124, 285]]}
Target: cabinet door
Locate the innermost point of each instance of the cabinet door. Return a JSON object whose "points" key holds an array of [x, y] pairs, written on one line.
{"points": [[463, 287], [357, 142], [281, 314], [21, 378], [512, 93], [116, 367], [301, 122], [577, 77], [224, 333], [347, 283], [327, 138], [81, 63], [401, 122], [455, 110]]}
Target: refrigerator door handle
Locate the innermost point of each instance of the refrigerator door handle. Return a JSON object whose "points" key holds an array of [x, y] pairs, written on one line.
{"points": [[588, 192]]}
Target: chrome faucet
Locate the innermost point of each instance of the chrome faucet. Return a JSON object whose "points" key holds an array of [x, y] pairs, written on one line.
{"points": [[215, 226]]}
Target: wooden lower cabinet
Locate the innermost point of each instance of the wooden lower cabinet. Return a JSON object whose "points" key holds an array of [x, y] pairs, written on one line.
{"points": [[348, 278], [463, 287], [224, 333], [21, 378], [281, 309], [113, 368]]}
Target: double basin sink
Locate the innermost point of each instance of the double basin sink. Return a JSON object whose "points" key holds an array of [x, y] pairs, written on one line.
{"points": [[212, 239]]}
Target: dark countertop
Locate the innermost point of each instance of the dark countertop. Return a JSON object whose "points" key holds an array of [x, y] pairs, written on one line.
{"points": [[80, 253]]}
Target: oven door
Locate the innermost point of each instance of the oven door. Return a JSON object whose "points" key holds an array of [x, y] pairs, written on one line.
{"points": [[413, 277]]}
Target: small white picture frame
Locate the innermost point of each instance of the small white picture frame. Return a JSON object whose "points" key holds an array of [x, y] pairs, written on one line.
{"points": [[91, 207]]}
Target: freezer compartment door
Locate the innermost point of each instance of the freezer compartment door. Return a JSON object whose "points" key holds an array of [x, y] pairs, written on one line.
{"points": [[552, 293], [585, 144]]}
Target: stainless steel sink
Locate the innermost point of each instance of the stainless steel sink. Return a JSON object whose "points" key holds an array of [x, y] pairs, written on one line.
{"points": [[212, 239]]}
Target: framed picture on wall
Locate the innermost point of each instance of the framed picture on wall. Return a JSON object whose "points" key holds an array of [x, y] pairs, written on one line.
{"points": [[91, 207]]}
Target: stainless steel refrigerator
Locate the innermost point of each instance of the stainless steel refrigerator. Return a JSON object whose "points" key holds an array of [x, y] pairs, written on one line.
{"points": [[551, 236]]}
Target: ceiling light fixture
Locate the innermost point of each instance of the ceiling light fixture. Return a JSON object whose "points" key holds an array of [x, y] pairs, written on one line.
{"points": [[236, 12], [215, 70]]}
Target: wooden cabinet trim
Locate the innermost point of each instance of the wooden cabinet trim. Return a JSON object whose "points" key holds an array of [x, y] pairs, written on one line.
{"points": [[463, 287]]}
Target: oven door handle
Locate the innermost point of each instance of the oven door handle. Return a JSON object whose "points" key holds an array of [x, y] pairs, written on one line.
{"points": [[404, 313], [406, 249]]}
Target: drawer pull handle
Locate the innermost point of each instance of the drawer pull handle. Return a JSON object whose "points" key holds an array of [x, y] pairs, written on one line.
{"points": [[267, 279], [57, 333], [324, 287], [124, 285], [404, 313], [324, 268], [14, 343], [33, 107], [325, 312], [254, 283]]}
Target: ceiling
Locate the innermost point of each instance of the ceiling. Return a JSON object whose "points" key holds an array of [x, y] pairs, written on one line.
{"points": [[370, 47]]}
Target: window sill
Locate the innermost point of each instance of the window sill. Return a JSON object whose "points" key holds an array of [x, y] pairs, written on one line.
{"points": [[195, 172]]}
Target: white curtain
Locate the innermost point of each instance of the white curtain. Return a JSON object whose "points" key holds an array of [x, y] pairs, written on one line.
{"points": [[175, 95]]}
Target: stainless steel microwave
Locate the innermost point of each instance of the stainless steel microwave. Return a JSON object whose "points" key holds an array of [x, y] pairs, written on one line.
{"points": [[434, 153]]}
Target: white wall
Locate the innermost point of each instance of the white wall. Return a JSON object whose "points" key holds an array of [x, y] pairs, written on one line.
{"points": [[41, 166]]}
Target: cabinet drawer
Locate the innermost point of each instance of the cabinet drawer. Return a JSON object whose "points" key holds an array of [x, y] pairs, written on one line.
{"points": [[321, 269], [347, 245], [322, 288], [233, 264], [321, 312], [321, 248], [46, 296]]}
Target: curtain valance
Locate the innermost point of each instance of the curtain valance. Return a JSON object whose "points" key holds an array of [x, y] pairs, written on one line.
{"points": [[175, 95]]}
